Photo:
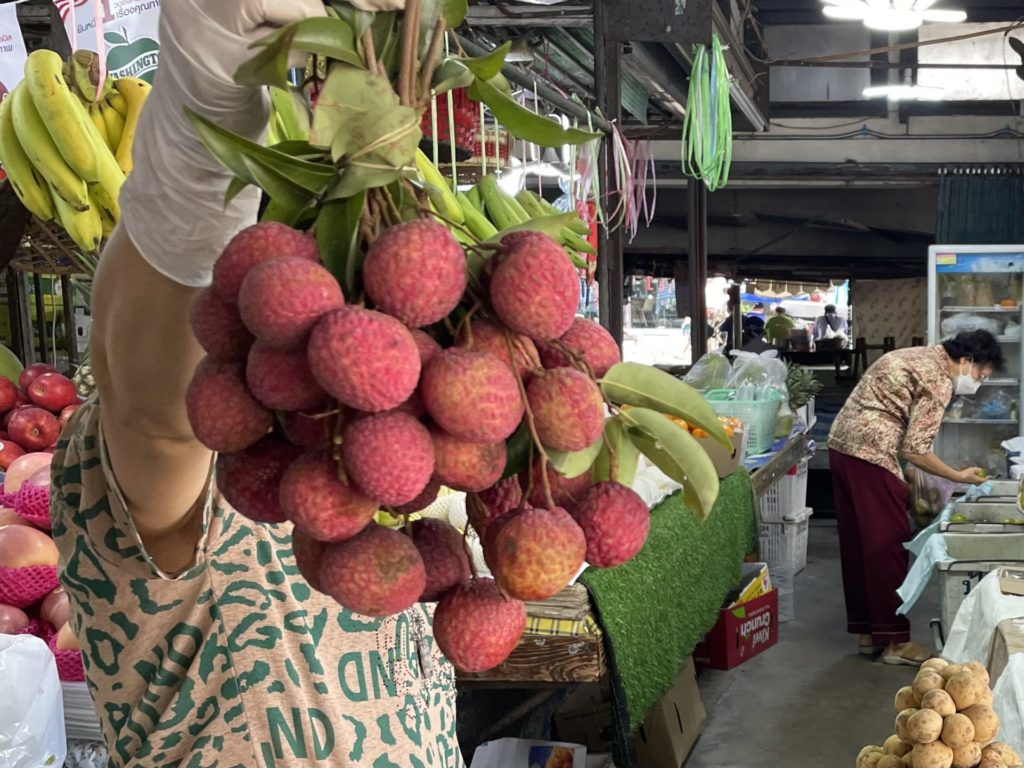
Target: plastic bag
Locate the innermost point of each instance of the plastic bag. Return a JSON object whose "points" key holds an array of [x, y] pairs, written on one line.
{"points": [[965, 321], [31, 707], [762, 373], [929, 495], [710, 372], [963, 408], [995, 406]]}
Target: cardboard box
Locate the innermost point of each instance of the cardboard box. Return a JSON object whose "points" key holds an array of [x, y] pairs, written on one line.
{"points": [[726, 462], [1007, 640], [1011, 581], [755, 581], [741, 633], [585, 717], [670, 730]]}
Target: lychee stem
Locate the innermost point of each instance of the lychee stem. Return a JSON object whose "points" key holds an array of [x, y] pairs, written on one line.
{"points": [[431, 61], [544, 460], [370, 53], [410, 51]]}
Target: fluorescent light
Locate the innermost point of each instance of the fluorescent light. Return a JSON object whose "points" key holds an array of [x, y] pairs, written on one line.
{"points": [[948, 17], [844, 13], [890, 15], [891, 20], [904, 93]]}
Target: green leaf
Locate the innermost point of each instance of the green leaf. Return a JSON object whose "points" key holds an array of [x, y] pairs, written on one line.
{"points": [[357, 178], [450, 75], [518, 448], [281, 190], [524, 124], [328, 37], [113, 38], [283, 213], [627, 455], [549, 225], [454, 12], [293, 113], [576, 463], [270, 65], [302, 149], [235, 188], [337, 236], [674, 451], [648, 387], [489, 66], [358, 20], [348, 92]]}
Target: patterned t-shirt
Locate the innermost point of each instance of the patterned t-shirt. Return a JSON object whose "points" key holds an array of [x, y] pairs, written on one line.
{"points": [[235, 663], [896, 407]]}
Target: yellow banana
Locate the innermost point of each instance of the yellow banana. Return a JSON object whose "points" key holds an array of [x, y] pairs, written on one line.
{"points": [[84, 227], [116, 100], [134, 91], [99, 123], [39, 146], [106, 191], [28, 184], [114, 124], [438, 189], [55, 103], [106, 221]]}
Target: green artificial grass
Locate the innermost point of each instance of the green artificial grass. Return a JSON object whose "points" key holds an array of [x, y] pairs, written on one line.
{"points": [[656, 608]]}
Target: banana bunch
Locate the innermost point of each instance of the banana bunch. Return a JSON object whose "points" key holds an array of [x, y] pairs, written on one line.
{"points": [[66, 152], [486, 209]]}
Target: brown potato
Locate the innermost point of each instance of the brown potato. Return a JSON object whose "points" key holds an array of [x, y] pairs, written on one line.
{"points": [[967, 756], [927, 680], [937, 664], [992, 762], [894, 745], [924, 726], [986, 697], [965, 689], [940, 701], [977, 669], [901, 725], [907, 699], [935, 754], [957, 731], [871, 760], [890, 761], [985, 720], [870, 749], [908, 759], [1002, 751], [952, 669]]}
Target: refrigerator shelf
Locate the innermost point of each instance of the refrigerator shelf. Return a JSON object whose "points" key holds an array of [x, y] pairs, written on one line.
{"points": [[1004, 382], [997, 310], [980, 421]]}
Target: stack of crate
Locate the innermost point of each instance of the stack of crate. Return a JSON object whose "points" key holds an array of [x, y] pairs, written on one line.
{"points": [[783, 529]]}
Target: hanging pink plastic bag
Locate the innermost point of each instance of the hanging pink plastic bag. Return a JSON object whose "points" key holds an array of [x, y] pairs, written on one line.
{"points": [[929, 495]]}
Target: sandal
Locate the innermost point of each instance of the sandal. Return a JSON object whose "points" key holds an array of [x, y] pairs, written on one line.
{"points": [[866, 646], [907, 654]]}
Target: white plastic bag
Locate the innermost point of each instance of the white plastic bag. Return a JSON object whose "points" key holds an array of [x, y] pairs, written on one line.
{"points": [[31, 707]]}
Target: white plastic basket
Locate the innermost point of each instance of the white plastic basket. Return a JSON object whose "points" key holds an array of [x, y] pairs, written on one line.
{"points": [[786, 542], [786, 499], [783, 576]]}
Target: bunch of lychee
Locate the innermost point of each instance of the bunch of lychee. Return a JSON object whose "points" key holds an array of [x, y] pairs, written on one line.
{"points": [[325, 412]]}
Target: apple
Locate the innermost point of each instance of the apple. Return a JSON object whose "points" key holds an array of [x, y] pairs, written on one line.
{"points": [[33, 372], [9, 517], [9, 394], [22, 546], [66, 414], [12, 620], [22, 468], [53, 391], [55, 608], [9, 452], [33, 428], [66, 640], [10, 413]]}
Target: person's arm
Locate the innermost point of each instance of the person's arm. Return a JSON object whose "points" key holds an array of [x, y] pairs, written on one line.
{"points": [[926, 415], [933, 465]]}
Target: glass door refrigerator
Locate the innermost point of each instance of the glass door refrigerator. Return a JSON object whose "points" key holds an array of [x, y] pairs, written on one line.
{"points": [[972, 287]]}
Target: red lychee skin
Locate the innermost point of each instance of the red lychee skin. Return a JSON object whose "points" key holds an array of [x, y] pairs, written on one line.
{"points": [[320, 504], [444, 556], [308, 552], [587, 339], [255, 245], [472, 395], [465, 465], [565, 491], [219, 328], [223, 413], [534, 288], [537, 552], [427, 497], [568, 409], [378, 572], [476, 627], [416, 272], [367, 360], [249, 480], [281, 300], [281, 379], [494, 502], [487, 337], [615, 522], [307, 430], [429, 349], [389, 456]]}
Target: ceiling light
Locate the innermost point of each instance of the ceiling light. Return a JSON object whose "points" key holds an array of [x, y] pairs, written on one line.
{"points": [[904, 93], [890, 15]]}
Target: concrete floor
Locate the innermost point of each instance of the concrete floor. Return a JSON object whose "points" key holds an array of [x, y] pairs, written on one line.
{"points": [[811, 701]]}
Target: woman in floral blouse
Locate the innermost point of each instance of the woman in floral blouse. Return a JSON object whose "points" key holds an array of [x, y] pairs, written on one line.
{"points": [[894, 414]]}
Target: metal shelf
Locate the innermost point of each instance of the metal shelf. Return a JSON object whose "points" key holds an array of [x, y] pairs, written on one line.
{"points": [[1001, 383], [988, 422], [1008, 339], [998, 310]]}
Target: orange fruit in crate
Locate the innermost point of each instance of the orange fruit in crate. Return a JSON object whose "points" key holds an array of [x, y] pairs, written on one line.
{"points": [[700, 433]]}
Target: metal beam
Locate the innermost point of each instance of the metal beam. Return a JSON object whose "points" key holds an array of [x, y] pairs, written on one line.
{"points": [[528, 15], [698, 259], [665, 89]]}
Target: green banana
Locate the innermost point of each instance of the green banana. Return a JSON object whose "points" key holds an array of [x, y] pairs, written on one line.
{"points": [[517, 209], [476, 199], [438, 189], [571, 240], [84, 227], [55, 103], [496, 202], [27, 182], [476, 222], [43, 153], [547, 209], [568, 237]]}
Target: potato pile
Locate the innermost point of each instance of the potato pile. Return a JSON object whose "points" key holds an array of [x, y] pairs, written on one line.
{"points": [[945, 720]]}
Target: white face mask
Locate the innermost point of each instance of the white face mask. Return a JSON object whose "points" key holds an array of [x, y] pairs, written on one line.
{"points": [[965, 383]]}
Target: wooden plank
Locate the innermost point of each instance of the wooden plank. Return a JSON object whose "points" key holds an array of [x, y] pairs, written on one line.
{"points": [[547, 659]]}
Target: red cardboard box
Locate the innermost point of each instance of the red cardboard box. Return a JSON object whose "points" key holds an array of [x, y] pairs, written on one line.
{"points": [[741, 633]]}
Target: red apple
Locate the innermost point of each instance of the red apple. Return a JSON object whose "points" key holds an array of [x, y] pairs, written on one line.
{"points": [[9, 517], [9, 394], [21, 469], [10, 413], [53, 392], [22, 546], [66, 414], [55, 608], [66, 640], [9, 451], [33, 428], [33, 372]]}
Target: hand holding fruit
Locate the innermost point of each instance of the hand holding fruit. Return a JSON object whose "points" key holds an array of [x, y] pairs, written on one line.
{"points": [[971, 476]]}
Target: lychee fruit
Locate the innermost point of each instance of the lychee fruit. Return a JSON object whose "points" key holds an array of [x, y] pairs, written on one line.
{"points": [[465, 465], [224, 415], [444, 556], [254, 245], [427, 497], [565, 491], [429, 349], [281, 300], [378, 572], [367, 360], [568, 409], [281, 379], [537, 552], [308, 552], [587, 339], [492, 504], [534, 288], [389, 456], [320, 504], [477, 627], [484, 336], [248, 480], [472, 395], [615, 521], [308, 430], [416, 272], [219, 328]]}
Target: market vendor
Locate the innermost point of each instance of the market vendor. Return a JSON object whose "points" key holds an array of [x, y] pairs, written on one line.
{"points": [[893, 416], [201, 642]]}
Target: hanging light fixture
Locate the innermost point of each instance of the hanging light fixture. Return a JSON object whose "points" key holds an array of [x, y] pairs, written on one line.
{"points": [[890, 15], [905, 91]]}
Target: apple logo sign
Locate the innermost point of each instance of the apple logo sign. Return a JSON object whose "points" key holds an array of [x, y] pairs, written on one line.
{"points": [[128, 58]]}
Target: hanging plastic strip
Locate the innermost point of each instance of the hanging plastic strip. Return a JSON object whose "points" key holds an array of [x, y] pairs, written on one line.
{"points": [[707, 127]]}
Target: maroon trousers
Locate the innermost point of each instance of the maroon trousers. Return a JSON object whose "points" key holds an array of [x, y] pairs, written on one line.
{"points": [[871, 509]]}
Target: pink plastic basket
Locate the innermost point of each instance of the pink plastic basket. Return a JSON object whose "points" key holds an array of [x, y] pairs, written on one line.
{"points": [[21, 587]]}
